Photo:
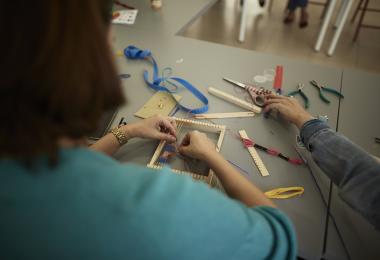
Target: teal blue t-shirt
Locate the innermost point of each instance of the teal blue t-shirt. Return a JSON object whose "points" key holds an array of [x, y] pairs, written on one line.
{"points": [[90, 206]]}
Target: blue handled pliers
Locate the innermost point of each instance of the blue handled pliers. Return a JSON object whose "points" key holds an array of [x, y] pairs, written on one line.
{"points": [[299, 91], [322, 89]]}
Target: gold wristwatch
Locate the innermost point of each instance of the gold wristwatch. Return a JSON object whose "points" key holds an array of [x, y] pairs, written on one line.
{"points": [[121, 137]]}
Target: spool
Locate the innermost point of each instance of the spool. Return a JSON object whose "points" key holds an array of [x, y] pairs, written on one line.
{"points": [[269, 74], [260, 79]]}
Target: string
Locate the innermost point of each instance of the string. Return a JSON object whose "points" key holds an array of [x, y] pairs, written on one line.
{"points": [[237, 166], [170, 150], [249, 143], [165, 75]]}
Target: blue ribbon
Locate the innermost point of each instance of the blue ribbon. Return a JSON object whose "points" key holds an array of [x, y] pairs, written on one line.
{"points": [[134, 53]]}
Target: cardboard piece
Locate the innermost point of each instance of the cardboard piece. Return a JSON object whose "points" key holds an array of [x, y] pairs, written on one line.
{"points": [[161, 103]]}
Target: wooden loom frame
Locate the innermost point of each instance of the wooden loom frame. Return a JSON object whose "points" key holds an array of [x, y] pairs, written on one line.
{"points": [[211, 178]]}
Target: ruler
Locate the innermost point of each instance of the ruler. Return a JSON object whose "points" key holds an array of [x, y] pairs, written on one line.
{"points": [[255, 156]]}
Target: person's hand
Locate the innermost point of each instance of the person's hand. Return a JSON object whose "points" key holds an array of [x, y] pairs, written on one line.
{"points": [[156, 127], [197, 145], [289, 109]]}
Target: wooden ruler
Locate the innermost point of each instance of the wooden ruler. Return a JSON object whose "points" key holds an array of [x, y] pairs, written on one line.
{"points": [[256, 158], [224, 115], [234, 100]]}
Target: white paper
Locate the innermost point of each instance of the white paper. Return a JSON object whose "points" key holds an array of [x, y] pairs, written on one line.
{"points": [[126, 17]]}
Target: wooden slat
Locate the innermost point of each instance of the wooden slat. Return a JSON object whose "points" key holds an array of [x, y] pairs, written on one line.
{"points": [[224, 115], [234, 100], [255, 156], [211, 128], [157, 152], [220, 140]]}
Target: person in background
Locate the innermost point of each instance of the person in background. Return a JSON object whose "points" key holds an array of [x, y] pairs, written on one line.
{"points": [[156, 4], [60, 199], [354, 171], [291, 8], [261, 3]]}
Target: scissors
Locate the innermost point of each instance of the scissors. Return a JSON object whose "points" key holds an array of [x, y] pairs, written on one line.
{"points": [[302, 94], [257, 94], [322, 89]]}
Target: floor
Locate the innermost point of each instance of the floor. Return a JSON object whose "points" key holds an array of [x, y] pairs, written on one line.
{"points": [[268, 34]]}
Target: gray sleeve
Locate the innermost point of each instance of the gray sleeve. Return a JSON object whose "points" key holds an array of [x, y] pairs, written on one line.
{"points": [[354, 171]]}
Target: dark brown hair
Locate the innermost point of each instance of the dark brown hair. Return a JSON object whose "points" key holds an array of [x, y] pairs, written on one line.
{"points": [[57, 73]]}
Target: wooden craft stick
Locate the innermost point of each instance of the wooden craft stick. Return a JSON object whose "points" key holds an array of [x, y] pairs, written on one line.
{"points": [[193, 175], [157, 152], [200, 125], [224, 115], [220, 140], [255, 156], [234, 100]]}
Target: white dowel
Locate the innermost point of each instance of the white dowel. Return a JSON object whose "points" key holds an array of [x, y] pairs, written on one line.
{"points": [[324, 26], [340, 28]]}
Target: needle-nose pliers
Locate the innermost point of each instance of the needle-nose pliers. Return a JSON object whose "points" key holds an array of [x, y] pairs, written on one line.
{"points": [[322, 89], [301, 93]]}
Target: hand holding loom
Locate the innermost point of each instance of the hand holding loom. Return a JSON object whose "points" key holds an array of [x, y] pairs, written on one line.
{"points": [[156, 127], [197, 145]]}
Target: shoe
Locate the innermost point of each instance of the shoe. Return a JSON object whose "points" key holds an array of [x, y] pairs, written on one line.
{"points": [[304, 19], [289, 18]]}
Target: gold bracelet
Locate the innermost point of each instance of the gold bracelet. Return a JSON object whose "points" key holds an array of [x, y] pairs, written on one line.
{"points": [[121, 137]]}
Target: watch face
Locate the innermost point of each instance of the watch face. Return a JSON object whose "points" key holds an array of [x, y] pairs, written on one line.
{"points": [[104, 125]]}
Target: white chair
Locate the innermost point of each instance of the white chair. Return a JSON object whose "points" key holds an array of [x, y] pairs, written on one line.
{"points": [[257, 10], [339, 24]]}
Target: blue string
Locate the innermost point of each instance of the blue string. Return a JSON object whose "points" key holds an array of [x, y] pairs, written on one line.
{"points": [[165, 75], [162, 160], [169, 148], [158, 83], [237, 166]]}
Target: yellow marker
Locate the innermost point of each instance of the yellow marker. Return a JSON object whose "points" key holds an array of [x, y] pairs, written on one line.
{"points": [[284, 193]]}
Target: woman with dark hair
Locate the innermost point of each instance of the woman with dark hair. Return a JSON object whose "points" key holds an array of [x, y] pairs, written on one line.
{"points": [[291, 8], [62, 200]]}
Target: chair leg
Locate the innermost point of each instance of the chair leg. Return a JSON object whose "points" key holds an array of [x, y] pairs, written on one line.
{"points": [[325, 9], [270, 6], [360, 20], [343, 6], [243, 21], [346, 7], [356, 11]]}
